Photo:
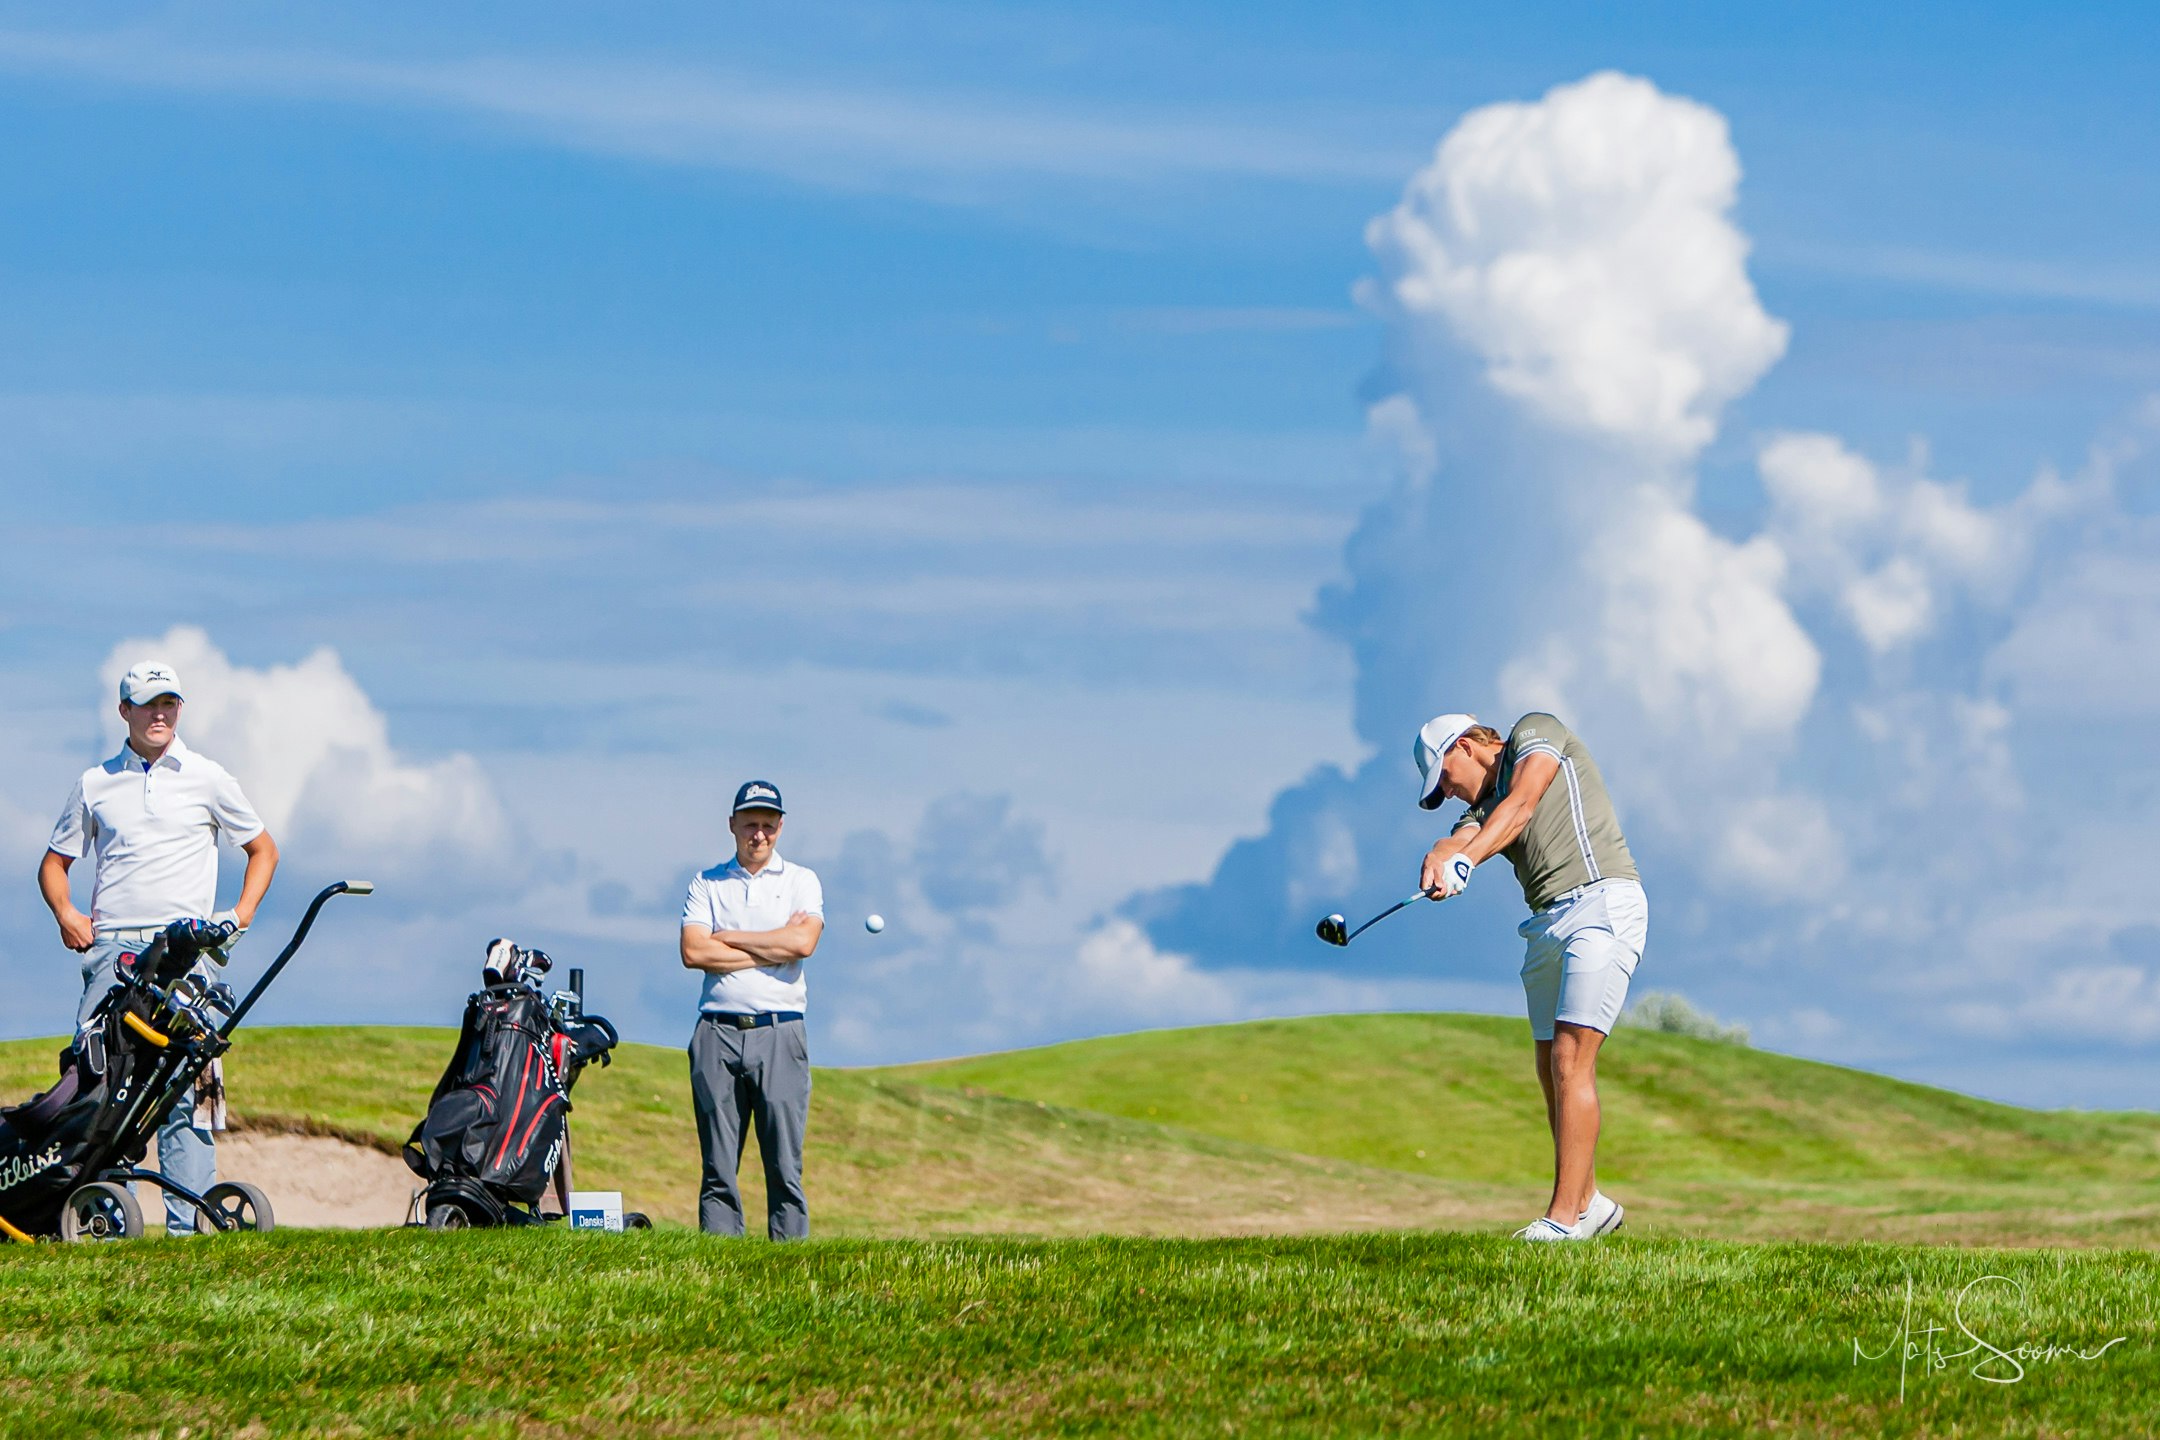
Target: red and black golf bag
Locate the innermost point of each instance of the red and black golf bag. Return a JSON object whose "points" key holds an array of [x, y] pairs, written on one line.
{"points": [[496, 1133]]}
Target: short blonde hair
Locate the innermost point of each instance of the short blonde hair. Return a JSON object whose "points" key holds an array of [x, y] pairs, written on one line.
{"points": [[1484, 735]]}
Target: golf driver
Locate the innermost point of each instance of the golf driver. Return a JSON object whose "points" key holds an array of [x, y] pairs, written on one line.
{"points": [[1331, 929]]}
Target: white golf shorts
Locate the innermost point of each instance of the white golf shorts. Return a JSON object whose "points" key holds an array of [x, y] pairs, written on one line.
{"points": [[1582, 952]]}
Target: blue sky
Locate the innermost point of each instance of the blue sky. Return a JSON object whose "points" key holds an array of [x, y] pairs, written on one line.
{"points": [[956, 413]]}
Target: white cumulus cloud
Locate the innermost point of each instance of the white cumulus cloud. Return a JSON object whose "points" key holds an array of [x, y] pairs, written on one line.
{"points": [[2113, 1003], [1581, 245], [1821, 489], [1896, 549], [1694, 625], [1846, 745], [1783, 846], [1121, 973], [314, 755], [1891, 605], [2083, 646]]}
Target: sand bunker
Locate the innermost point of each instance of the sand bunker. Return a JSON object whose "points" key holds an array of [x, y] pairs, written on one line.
{"points": [[316, 1182]]}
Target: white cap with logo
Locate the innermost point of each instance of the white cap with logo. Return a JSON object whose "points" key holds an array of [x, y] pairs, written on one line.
{"points": [[149, 680], [1433, 742]]}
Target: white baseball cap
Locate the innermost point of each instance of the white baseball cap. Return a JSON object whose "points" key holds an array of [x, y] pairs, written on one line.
{"points": [[1433, 742], [149, 680]]}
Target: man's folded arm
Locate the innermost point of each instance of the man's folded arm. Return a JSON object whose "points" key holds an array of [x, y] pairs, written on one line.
{"points": [[794, 941], [704, 950]]}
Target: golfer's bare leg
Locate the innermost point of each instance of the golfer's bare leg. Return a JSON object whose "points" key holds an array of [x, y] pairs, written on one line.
{"points": [[1552, 1111], [1545, 1083], [1573, 1069]]}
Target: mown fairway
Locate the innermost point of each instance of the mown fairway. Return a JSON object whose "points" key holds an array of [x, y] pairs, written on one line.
{"points": [[1289, 1134], [671, 1333], [1333, 1123]]}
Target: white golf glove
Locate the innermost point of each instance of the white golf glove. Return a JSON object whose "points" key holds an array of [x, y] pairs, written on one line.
{"points": [[1455, 875], [232, 918]]}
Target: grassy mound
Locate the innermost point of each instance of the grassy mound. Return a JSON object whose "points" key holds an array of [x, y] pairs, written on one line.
{"points": [[1329, 1123], [1455, 1095], [887, 1156], [665, 1333], [1717, 1137]]}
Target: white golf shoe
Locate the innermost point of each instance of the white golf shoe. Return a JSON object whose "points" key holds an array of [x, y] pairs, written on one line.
{"points": [[1547, 1228], [1602, 1218]]}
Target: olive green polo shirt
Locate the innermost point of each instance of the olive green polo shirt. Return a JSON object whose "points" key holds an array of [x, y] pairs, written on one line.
{"points": [[1573, 837]]}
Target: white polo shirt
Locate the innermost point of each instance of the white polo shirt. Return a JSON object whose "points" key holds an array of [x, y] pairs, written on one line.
{"points": [[155, 828], [728, 897]]}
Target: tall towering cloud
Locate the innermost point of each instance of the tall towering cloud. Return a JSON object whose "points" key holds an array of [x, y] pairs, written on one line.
{"points": [[1580, 253], [1568, 313], [1580, 248], [1827, 736]]}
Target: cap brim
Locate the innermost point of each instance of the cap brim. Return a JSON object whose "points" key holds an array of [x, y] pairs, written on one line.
{"points": [[757, 805], [1430, 797]]}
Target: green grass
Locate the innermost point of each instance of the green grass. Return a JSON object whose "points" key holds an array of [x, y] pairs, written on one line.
{"points": [[1270, 1142], [1716, 1137], [672, 1333], [1446, 1095], [887, 1156], [1323, 1124]]}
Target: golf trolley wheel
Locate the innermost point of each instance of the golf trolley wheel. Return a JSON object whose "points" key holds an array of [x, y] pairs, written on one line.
{"points": [[448, 1216], [101, 1210], [636, 1220], [238, 1206]]}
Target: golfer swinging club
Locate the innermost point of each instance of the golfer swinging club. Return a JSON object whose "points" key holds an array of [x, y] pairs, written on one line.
{"points": [[1538, 799]]}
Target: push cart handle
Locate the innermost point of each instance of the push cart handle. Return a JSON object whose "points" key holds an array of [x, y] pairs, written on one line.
{"points": [[292, 946]]}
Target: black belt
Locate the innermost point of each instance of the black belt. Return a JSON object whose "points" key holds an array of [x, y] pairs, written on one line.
{"points": [[751, 1022]]}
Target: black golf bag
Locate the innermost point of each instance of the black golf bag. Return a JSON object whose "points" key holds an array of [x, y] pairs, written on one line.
{"points": [[496, 1134], [67, 1155]]}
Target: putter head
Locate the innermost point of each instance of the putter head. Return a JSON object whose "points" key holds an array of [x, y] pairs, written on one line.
{"points": [[1332, 928]]}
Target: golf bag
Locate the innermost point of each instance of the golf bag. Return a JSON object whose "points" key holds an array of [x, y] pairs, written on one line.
{"points": [[67, 1155], [496, 1133]]}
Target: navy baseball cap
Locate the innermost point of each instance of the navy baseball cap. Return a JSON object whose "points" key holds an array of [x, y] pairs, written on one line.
{"points": [[758, 795]]}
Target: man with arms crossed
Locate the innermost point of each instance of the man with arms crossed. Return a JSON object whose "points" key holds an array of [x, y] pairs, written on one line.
{"points": [[1538, 799], [154, 813], [749, 925]]}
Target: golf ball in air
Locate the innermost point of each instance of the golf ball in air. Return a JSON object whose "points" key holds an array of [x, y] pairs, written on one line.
{"points": [[874, 924]]}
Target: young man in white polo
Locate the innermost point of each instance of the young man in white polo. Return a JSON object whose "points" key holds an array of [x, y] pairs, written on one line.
{"points": [[154, 814], [1538, 799], [749, 925]]}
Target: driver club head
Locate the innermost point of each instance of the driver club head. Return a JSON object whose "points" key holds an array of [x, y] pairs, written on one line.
{"points": [[1331, 929], [502, 965]]}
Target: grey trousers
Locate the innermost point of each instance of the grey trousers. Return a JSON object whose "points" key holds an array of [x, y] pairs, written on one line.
{"points": [[758, 1076], [186, 1154]]}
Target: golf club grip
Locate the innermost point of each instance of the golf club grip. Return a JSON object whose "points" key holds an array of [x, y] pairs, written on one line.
{"points": [[292, 947]]}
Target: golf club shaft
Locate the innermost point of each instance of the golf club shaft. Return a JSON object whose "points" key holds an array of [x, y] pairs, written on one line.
{"points": [[1411, 900]]}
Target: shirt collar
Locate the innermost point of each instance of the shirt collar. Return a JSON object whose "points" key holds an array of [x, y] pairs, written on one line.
{"points": [[734, 866], [173, 759]]}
